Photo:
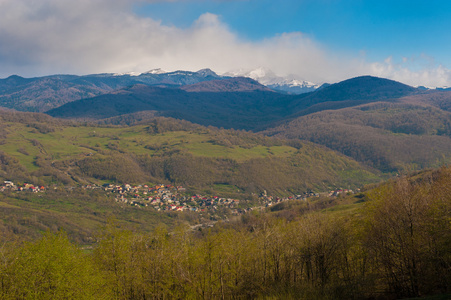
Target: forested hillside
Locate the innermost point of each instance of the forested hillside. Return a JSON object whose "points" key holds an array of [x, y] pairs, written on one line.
{"points": [[315, 165], [383, 124], [239, 103], [245, 109], [42, 150], [387, 136], [41, 94], [390, 242]]}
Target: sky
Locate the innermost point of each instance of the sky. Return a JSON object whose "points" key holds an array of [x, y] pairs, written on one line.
{"points": [[315, 40]]}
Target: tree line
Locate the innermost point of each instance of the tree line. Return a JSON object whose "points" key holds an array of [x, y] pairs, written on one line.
{"points": [[396, 246], [390, 137]]}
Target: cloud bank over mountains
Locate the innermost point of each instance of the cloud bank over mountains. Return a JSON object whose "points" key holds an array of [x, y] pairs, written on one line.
{"points": [[81, 37]]}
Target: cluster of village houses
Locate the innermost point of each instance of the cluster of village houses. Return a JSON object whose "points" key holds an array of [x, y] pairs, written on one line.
{"points": [[9, 185], [167, 198], [174, 198]]}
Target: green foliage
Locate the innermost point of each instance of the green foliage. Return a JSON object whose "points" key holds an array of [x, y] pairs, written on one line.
{"points": [[115, 167], [394, 245], [168, 150], [50, 268], [392, 137], [80, 213], [10, 168], [409, 230]]}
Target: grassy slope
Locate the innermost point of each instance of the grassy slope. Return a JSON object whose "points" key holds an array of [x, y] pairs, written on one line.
{"points": [[69, 142], [80, 213], [357, 206], [226, 163], [387, 136], [80, 152]]}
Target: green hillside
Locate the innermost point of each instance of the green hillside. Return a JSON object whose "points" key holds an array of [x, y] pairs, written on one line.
{"points": [[390, 242], [391, 137], [63, 156], [78, 212], [43, 150]]}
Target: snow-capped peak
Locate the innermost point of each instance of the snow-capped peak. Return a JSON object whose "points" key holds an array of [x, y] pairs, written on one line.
{"points": [[262, 74], [155, 71], [297, 83], [288, 84], [207, 72]]}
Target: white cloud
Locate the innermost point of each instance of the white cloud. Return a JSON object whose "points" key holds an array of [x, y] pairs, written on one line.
{"points": [[92, 36], [415, 71]]}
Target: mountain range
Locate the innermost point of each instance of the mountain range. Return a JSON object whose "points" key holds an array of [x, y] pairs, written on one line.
{"points": [[40, 94], [289, 84], [43, 93], [382, 123], [235, 102]]}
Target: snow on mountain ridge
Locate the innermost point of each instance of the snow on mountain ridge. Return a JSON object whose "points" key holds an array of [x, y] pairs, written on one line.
{"points": [[262, 75], [289, 84], [155, 71], [159, 71], [298, 83], [127, 73], [432, 87]]}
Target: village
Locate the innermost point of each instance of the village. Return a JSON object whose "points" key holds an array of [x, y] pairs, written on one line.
{"points": [[163, 197]]}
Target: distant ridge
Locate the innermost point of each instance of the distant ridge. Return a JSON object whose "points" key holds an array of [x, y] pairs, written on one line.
{"points": [[362, 88], [253, 106], [41, 94], [379, 122], [235, 84], [350, 92], [237, 102], [289, 84]]}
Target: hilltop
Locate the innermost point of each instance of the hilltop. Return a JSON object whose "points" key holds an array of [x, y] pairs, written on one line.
{"points": [[390, 136], [238, 103], [40, 94], [381, 123], [36, 147], [62, 168]]}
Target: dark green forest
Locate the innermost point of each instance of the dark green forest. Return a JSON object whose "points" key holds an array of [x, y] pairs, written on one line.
{"points": [[390, 242]]}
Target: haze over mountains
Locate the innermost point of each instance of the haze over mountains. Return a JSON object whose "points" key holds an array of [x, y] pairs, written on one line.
{"points": [[43, 93], [289, 84], [382, 123], [237, 102]]}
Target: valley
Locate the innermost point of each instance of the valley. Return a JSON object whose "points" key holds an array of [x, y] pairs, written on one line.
{"points": [[225, 149], [337, 247], [227, 177]]}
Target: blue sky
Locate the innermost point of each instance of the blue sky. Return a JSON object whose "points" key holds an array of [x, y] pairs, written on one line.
{"points": [[380, 28], [319, 41]]}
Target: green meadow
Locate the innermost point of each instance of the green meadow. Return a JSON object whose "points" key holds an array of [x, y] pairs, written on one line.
{"points": [[48, 150]]}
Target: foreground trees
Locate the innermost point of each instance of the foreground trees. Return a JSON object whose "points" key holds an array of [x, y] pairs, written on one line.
{"points": [[50, 268], [409, 234], [396, 245]]}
